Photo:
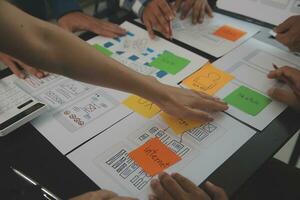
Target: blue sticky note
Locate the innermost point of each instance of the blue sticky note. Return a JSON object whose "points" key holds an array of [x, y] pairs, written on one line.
{"points": [[117, 39], [130, 34], [133, 58], [108, 44], [161, 74], [150, 50], [120, 52]]}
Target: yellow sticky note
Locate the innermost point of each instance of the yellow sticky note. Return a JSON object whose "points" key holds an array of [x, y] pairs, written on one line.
{"points": [[179, 126], [208, 79], [142, 106]]}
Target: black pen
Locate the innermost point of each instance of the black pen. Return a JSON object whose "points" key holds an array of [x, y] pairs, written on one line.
{"points": [[46, 193]]}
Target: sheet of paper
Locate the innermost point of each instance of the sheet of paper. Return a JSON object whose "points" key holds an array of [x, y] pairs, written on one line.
{"points": [[105, 159], [203, 37], [136, 51], [180, 126], [154, 156], [208, 79], [141, 106], [250, 64], [77, 111], [271, 11]]}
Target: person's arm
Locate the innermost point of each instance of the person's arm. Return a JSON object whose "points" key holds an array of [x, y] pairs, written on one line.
{"points": [[42, 44], [70, 17]]}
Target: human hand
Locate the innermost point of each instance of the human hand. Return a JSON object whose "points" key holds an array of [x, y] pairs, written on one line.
{"points": [[290, 76], [186, 104], [199, 9], [288, 33], [78, 21], [13, 63], [101, 195], [157, 15], [177, 187]]}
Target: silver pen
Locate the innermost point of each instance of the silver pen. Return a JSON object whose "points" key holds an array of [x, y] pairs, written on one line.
{"points": [[46, 193]]}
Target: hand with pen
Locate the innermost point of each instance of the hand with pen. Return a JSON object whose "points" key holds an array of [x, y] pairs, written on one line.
{"points": [[288, 33], [291, 77], [158, 14], [199, 9]]}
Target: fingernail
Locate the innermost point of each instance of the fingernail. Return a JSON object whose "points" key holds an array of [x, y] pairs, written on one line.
{"points": [[154, 181], [152, 197], [209, 183], [39, 75], [270, 91], [22, 76]]}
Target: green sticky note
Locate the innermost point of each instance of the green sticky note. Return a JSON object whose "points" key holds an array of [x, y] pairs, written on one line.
{"points": [[170, 63], [247, 100], [103, 50]]}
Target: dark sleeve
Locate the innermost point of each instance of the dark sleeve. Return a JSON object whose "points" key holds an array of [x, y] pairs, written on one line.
{"points": [[62, 7]]}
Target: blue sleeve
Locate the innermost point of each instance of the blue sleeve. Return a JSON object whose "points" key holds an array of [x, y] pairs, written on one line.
{"points": [[62, 7]]}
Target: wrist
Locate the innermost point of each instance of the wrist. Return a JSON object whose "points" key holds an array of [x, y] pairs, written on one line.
{"points": [[153, 90]]}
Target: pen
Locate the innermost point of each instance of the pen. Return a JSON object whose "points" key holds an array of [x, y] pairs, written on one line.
{"points": [[46, 193], [171, 29]]}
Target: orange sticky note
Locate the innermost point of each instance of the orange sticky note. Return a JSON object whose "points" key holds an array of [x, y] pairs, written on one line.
{"points": [[179, 126], [142, 106], [229, 33], [208, 79], [154, 157]]}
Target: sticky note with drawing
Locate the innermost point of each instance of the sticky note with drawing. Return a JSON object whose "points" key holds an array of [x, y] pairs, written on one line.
{"points": [[103, 50], [141, 106], [154, 157], [179, 126], [248, 100], [170, 62], [208, 79], [229, 33]]}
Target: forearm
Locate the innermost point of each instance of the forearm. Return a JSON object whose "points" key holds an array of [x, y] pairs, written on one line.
{"points": [[54, 50]]}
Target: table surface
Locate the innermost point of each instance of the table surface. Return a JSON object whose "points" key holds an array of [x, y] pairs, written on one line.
{"points": [[27, 150]]}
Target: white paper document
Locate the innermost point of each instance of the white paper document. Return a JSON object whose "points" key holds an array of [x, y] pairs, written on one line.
{"points": [[105, 159], [271, 11], [247, 93], [202, 36], [77, 111], [137, 51]]}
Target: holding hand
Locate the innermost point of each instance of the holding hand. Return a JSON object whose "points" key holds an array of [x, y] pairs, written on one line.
{"points": [[78, 21], [177, 187], [13, 64], [288, 33], [290, 76], [157, 15], [199, 9]]}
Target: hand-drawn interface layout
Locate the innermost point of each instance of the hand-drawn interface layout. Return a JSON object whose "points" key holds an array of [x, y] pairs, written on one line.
{"points": [[110, 166], [162, 59]]}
